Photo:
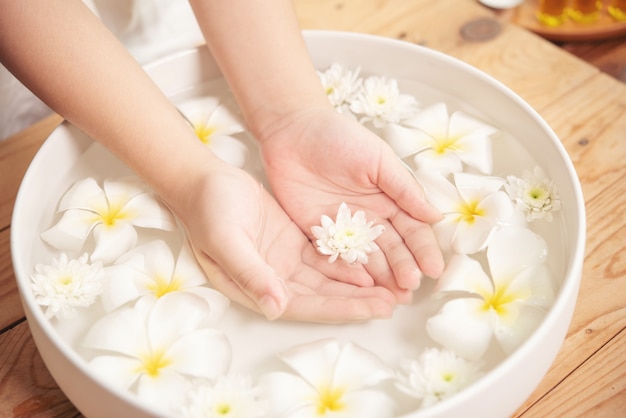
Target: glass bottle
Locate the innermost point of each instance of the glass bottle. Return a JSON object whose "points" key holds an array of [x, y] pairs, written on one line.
{"points": [[617, 9], [585, 11], [552, 12]]}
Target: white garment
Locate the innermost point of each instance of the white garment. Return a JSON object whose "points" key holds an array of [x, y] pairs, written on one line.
{"points": [[148, 28]]}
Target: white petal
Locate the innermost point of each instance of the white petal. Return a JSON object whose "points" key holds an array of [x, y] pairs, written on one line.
{"points": [[118, 371], [123, 189], [441, 193], [202, 353], [148, 212], [163, 391], [512, 334], [217, 302], [464, 274], [513, 249], [315, 361], [476, 152], [405, 141], [84, 194], [188, 269], [540, 283], [122, 331], [224, 122], [123, 284], [443, 163], [158, 260], [357, 368], [497, 206], [471, 238], [113, 241], [433, 120], [229, 149], [286, 392], [70, 233], [461, 326], [368, 404], [474, 187]]}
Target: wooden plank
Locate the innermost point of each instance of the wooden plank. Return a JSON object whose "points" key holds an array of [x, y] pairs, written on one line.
{"points": [[595, 389], [11, 307], [27, 390], [15, 155]]}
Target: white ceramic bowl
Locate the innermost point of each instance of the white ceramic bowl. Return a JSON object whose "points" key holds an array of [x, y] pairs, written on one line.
{"points": [[496, 395]]}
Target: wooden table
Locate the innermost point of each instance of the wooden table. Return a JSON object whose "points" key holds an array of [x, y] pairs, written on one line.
{"points": [[586, 108]]}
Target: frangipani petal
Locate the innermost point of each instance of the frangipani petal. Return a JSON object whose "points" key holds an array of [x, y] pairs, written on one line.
{"points": [[513, 249], [162, 391], [469, 238], [540, 284], [123, 189], [116, 370], [464, 274], [158, 261], [433, 121], [202, 353], [70, 233], [224, 122], [125, 282], [368, 404], [462, 326], [112, 241], [357, 368], [476, 187], [84, 194], [524, 321], [229, 149], [315, 362], [433, 161], [187, 267], [406, 141], [122, 331], [288, 395], [147, 212]]}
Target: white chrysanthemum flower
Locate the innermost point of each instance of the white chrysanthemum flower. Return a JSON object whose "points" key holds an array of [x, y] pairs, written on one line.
{"points": [[329, 381], [436, 375], [349, 237], [340, 85], [214, 124], [66, 285], [230, 396], [110, 213], [535, 194], [506, 305], [380, 102]]}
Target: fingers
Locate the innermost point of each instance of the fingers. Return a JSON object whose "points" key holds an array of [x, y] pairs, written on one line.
{"points": [[237, 270], [396, 181], [420, 239]]}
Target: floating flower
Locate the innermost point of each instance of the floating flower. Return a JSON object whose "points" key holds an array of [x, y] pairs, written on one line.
{"points": [[443, 143], [151, 269], [329, 381], [66, 285], [436, 375], [214, 124], [349, 237], [153, 347], [111, 213], [340, 85], [507, 306], [379, 101], [472, 210], [535, 194], [229, 397]]}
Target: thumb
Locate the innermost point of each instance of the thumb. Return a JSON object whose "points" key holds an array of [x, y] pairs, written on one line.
{"points": [[236, 269]]}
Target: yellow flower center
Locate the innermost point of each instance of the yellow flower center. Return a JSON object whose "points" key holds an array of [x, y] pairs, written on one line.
{"points": [[114, 213], [222, 409], [442, 145], [204, 132], [468, 212], [153, 363], [498, 300], [65, 280], [330, 90], [160, 286], [329, 400]]}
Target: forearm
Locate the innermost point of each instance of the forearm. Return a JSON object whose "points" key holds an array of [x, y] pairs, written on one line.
{"points": [[66, 56], [259, 47]]}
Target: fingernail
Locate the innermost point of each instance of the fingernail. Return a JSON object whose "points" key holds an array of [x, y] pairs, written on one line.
{"points": [[270, 307]]}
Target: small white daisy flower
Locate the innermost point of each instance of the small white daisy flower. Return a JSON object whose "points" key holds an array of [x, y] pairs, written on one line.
{"points": [[230, 397], [380, 102], [349, 237], [66, 285], [340, 85], [535, 194], [436, 375]]}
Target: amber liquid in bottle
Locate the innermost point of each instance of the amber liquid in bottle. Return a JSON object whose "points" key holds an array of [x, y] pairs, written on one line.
{"points": [[552, 12], [617, 9], [585, 11]]}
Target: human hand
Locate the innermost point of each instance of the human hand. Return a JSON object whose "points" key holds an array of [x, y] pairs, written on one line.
{"points": [[319, 158], [256, 256]]}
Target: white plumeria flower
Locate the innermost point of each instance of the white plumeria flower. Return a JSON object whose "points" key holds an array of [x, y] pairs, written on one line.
{"points": [[151, 270], [472, 207], [379, 101], [443, 143], [66, 285], [349, 237], [535, 194], [508, 305], [111, 213], [214, 124], [232, 396], [153, 347], [340, 85], [436, 375], [329, 381]]}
